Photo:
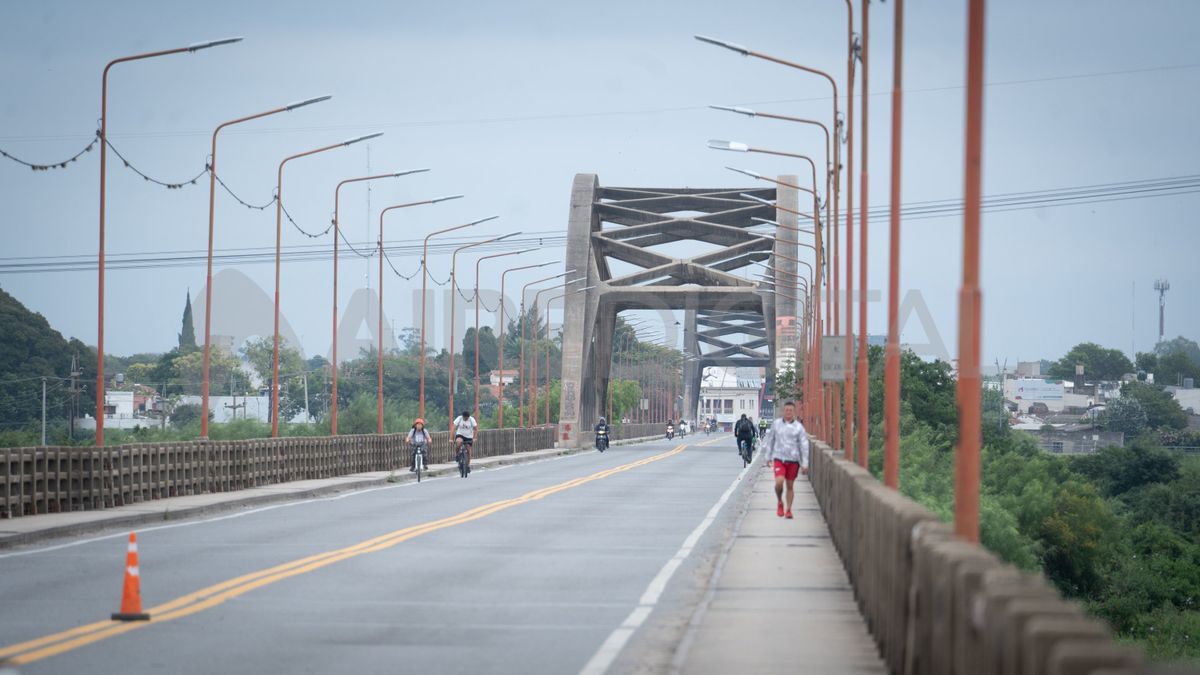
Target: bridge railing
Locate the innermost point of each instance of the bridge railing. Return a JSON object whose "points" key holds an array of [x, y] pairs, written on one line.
{"points": [[936, 604], [56, 479]]}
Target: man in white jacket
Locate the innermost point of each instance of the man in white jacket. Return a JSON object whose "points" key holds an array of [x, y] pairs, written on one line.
{"points": [[787, 450]]}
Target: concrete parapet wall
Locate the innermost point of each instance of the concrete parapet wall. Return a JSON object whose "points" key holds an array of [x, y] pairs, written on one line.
{"points": [[55, 479], [938, 605]]}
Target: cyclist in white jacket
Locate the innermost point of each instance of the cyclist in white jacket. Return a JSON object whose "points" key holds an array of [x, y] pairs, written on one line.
{"points": [[787, 449]]}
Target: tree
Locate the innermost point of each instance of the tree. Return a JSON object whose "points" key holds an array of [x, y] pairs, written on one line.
{"points": [[1179, 345], [293, 370], [1098, 363], [1173, 368], [1117, 470], [489, 350], [1125, 415], [187, 334], [1162, 410], [186, 414]]}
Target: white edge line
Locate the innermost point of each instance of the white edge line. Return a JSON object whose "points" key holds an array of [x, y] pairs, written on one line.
{"points": [[604, 657]]}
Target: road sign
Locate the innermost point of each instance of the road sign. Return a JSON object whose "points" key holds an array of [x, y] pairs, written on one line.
{"points": [[833, 358]]}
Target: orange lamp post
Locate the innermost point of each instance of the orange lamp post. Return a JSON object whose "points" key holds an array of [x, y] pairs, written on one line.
{"points": [[100, 255]]}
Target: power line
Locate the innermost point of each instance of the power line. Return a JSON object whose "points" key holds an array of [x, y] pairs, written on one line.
{"points": [[602, 113]]}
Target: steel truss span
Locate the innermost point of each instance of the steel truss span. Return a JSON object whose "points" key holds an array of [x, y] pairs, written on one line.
{"points": [[630, 241]]}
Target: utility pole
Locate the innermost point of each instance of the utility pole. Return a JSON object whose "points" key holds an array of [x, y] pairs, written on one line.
{"points": [[75, 391], [307, 415], [1162, 286], [43, 411]]}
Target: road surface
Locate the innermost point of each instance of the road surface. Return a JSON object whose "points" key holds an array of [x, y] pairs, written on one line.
{"points": [[577, 564]]}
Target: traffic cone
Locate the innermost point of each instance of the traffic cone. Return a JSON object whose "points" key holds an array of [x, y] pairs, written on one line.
{"points": [[131, 598]]}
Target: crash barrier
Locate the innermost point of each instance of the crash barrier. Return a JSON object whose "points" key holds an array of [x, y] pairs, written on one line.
{"points": [[55, 479], [936, 604]]}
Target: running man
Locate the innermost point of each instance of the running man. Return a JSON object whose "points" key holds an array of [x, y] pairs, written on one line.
{"points": [[787, 449]]}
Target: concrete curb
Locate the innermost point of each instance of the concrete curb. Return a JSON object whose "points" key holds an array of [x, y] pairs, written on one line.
{"points": [[234, 502]]}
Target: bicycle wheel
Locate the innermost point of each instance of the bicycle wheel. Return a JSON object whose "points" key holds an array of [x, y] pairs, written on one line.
{"points": [[419, 463]]}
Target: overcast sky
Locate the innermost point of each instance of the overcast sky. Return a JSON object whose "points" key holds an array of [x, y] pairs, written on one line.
{"points": [[507, 101]]}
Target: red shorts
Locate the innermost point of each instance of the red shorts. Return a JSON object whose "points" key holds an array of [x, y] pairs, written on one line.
{"points": [[789, 470]]}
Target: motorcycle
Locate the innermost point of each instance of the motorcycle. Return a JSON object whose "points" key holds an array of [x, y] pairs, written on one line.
{"points": [[670, 432], [602, 440]]}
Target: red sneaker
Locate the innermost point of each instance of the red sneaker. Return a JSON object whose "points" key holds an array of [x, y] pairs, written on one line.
{"points": [[788, 515], [779, 510]]}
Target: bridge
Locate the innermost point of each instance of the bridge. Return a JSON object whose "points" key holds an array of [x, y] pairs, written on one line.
{"points": [[656, 556]]}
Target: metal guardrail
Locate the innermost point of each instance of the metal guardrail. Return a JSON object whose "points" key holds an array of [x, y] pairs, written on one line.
{"points": [[936, 604], [56, 479]]}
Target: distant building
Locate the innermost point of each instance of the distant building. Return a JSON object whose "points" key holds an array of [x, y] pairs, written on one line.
{"points": [[727, 393], [497, 376], [1188, 398], [1077, 439], [1029, 369], [1027, 391]]}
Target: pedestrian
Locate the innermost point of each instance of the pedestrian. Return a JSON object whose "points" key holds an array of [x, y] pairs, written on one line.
{"points": [[787, 450]]}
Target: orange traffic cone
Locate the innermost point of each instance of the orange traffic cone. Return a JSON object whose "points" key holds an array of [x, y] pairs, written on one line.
{"points": [[131, 598]]}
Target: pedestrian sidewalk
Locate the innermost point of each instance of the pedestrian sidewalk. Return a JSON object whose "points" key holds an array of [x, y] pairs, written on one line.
{"points": [[32, 529], [779, 600]]}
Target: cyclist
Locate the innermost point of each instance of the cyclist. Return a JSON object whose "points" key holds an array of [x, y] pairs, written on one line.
{"points": [[464, 434], [418, 439], [787, 445], [744, 432], [762, 427]]}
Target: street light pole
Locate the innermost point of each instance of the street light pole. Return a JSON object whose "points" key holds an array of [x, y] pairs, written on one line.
{"points": [[891, 377], [970, 297], [278, 242], [862, 253], [212, 191], [477, 262], [379, 335], [524, 320], [503, 276], [453, 306], [425, 292], [337, 233], [103, 175]]}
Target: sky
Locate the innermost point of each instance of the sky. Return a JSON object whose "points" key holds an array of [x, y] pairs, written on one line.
{"points": [[507, 102]]}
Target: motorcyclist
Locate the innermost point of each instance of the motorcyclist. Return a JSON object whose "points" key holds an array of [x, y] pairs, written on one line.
{"points": [[670, 429], [602, 428]]}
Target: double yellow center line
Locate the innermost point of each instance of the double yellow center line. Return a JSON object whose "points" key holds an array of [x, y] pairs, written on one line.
{"points": [[205, 598]]}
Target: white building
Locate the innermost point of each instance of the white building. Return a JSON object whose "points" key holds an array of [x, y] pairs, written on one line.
{"points": [[726, 394]]}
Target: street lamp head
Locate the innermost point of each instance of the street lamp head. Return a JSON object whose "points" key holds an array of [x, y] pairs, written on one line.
{"points": [[482, 220], [307, 101], [506, 236], [721, 43], [197, 46], [760, 200], [444, 199], [763, 221], [363, 138], [732, 146], [735, 109], [746, 172], [406, 173]]}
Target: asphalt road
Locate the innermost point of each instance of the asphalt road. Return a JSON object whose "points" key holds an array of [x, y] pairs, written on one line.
{"points": [[549, 567]]}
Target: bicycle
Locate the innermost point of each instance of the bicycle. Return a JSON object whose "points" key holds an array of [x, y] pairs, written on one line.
{"points": [[418, 460], [746, 450], [464, 462]]}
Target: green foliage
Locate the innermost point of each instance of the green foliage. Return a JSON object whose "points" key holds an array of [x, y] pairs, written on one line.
{"points": [[187, 332], [1125, 415], [489, 351], [187, 413], [1119, 529], [1098, 363], [1179, 345], [1162, 410]]}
